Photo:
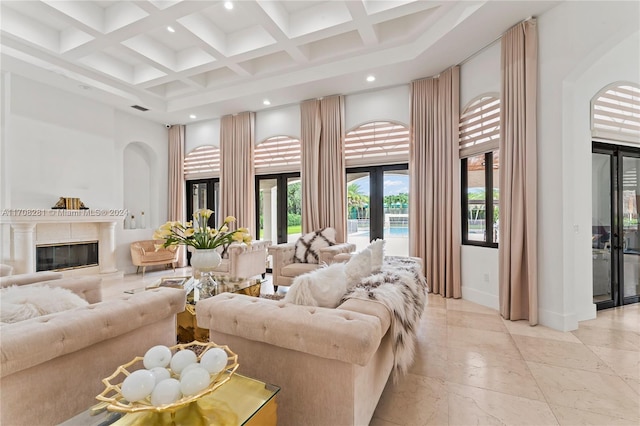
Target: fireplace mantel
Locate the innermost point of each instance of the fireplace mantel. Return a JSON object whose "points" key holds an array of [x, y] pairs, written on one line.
{"points": [[25, 221]]}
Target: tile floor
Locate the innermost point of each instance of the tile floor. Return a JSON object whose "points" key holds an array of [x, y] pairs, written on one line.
{"points": [[473, 368]]}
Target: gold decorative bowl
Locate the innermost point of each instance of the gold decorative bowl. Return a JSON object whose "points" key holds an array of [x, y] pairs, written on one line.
{"points": [[113, 396]]}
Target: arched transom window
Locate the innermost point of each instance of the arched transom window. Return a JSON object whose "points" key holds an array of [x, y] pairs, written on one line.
{"points": [[480, 126], [201, 163], [615, 113], [377, 143], [277, 154]]}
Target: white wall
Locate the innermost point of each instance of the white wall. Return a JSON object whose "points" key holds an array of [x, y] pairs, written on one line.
{"points": [[385, 104], [479, 277], [200, 134], [583, 47], [278, 122], [61, 144]]}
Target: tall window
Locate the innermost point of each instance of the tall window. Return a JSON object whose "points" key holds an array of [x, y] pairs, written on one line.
{"points": [[376, 156], [278, 195], [480, 165]]}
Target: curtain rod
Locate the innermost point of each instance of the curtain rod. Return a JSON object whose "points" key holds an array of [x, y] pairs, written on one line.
{"points": [[476, 53]]}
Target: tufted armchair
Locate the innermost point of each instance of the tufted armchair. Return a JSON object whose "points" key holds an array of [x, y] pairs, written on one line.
{"points": [[285, 269], [144, 253], [244, 261]]}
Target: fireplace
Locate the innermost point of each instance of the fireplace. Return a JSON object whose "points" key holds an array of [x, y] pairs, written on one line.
{"points": [[56, 257]]}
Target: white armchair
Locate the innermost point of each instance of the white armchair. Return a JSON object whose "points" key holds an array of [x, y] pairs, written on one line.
{"points": [[285, 269], [245, 261]]}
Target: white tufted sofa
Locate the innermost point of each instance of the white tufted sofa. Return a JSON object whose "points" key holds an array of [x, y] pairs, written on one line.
{"points": [[52, 366], [331, 364]]}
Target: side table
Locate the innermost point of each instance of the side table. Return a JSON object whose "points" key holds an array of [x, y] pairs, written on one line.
{"points": [[241, 401]]}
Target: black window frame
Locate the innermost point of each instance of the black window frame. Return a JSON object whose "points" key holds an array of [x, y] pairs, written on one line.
{"points": [[489, 205]]}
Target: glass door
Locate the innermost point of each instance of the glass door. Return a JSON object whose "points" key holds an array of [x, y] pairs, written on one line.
{"points": [[203, 194], [279, 205], [615, 232], [378, 207]]}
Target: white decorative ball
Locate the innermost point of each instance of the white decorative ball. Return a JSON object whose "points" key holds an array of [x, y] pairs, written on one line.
{"points": [[214, 360], [157, 356], [166, 392], [160, 373], [138, 385], [189, 367], [194, 380], [181, 359]]}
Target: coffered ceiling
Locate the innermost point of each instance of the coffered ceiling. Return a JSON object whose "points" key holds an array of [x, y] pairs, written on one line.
{"points": [[220, 61]]}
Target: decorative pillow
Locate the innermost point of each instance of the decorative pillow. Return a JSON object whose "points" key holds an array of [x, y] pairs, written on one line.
{"points": [[358, 267], [323, 287], [377, 255], [307, 248], [18, 303]]}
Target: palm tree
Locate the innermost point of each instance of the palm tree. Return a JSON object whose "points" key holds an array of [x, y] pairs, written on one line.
{"points": [[355, 198]]}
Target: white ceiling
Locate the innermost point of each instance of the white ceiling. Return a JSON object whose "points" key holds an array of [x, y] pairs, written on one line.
{"points": [[221, 61]]}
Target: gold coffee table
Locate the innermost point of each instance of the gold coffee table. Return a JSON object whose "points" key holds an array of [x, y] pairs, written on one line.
{"points": [[240, 401], [187, 328]]}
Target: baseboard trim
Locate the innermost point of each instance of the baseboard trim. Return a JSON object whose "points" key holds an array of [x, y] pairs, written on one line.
{"points": [[480, 297], [568, 322]]}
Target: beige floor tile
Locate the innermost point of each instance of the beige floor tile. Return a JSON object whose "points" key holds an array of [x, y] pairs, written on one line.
{"points": [[585, 390], [571, 417], [430, 361], [379, 422], [626, 318], [522, 328], [414, 400], [633, 383], [482, 341], [611, 338], [475, 320], [436, 301], [493, 371], [624, 363], [473, 406], [561, 354], [465, 305]]}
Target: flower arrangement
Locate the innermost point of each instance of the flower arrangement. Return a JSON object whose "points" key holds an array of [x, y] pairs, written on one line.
{"points": [[198, 234]]}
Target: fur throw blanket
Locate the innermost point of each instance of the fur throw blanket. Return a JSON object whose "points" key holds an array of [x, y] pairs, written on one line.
{"points": [[402, 288]]}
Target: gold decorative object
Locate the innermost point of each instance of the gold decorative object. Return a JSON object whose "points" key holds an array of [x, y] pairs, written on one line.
{"points": [[70, 203], [113, 396]]}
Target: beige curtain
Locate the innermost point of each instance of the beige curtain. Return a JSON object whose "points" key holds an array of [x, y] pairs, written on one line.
{"points": [[176, 199], [323, 172], [518, 171], [237, 178], [434, 211]]}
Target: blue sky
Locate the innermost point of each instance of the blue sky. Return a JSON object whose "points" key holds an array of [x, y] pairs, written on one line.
{"points": [[393, 184]]}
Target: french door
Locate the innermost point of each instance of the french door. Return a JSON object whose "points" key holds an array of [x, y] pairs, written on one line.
{"points": [[378, 207], [615, 230], [279, 207], [203, 194]]}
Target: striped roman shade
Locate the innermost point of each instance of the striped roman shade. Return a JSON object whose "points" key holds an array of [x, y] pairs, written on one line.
{"points": [[480, 126], [615, 113], [279, 154], [202, 163], [376, 143]]}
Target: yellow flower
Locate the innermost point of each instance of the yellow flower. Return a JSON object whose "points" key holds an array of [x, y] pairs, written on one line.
{"points": [[213, 232], [189, 232], [161, 234], [188, 224], [243, 230], [205, 213], [166, 226], [237, 236], [247, 240], [224, 228], [229, 219]]}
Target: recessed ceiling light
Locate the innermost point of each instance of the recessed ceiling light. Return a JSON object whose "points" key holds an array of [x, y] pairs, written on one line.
{"points": [[228, 5], [266, 102], [192, 116], [170, 29], [371, 78]]}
